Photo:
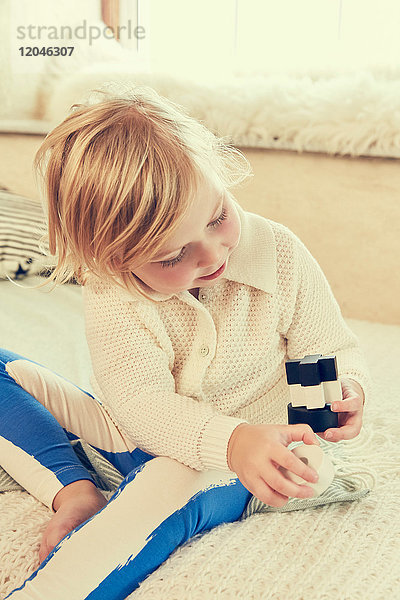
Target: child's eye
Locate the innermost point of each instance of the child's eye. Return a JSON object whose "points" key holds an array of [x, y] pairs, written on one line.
{"points": [[173, 261], [221, 218]]}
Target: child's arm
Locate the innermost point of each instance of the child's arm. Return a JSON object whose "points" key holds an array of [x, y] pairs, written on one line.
{"points": [[133, 361], [317, 326]]}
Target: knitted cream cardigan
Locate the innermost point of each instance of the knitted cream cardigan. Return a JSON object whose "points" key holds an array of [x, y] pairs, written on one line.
{"points": [[177, 376]]}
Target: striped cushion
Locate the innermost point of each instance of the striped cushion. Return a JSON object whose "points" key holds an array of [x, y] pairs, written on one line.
{"points": [[22, 223]]}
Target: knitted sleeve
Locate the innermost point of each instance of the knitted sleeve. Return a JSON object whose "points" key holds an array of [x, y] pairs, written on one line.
{"points": [[132, 361], [317, 325]]}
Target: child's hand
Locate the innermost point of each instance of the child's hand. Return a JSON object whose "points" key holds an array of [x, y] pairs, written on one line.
{"points": [[350, 410], [255, 453]]}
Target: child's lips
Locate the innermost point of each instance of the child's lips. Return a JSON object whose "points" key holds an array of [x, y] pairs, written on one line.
{"points": [[216, 273]]}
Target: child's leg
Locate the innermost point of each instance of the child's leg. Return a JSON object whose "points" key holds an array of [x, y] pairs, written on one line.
{"points": [[158, 507], [40, 412]]}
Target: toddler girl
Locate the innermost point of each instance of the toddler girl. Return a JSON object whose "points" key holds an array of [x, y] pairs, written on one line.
{"points": [[192, 305]]}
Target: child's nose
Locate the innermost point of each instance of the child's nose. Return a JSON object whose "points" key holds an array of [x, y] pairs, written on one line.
{"points": [[210, 257]]}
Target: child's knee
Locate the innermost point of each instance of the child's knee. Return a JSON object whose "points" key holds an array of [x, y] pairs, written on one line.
{"points": [[168, 486], [180, 478], [27, 376]]}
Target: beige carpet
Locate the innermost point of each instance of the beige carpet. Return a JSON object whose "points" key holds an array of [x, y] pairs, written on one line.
{"points": [[343, 551]]}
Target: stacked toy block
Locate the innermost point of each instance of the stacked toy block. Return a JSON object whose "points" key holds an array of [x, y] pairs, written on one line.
{"points": [[314, 385]]}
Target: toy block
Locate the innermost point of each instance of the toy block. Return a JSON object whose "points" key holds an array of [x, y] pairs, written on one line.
{"points": [[313, 386], [306, 388], [310, 378], [332, 385], [297, 392], [314, 457]]}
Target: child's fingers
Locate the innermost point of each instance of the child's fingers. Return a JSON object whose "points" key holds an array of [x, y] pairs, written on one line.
{"points": [[284, 486], [266, 494], [300, 433], [346, 432], [285, 458], [350, 405]]}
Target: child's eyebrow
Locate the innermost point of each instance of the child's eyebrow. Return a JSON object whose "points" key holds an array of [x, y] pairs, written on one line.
{"points": [[168, 252]]}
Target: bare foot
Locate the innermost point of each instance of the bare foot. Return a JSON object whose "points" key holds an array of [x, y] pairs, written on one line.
{"points": [[78, 504]]}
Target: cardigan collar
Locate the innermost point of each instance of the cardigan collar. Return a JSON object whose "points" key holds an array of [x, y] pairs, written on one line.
{"points": [[252, 262]]}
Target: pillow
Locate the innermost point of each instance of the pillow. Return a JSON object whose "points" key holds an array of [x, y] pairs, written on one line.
{"points": [[22, 223]]}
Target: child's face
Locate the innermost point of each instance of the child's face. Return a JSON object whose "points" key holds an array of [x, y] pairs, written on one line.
{"points": [[203, 242]]}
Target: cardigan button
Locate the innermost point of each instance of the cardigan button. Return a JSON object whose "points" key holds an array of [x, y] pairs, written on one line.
{"points": [[203, 296], [204, 350]]}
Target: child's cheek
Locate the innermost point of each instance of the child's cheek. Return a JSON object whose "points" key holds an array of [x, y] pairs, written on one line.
{"points": [[233, 228], [174, 277], [178, 276], [234, 232]]}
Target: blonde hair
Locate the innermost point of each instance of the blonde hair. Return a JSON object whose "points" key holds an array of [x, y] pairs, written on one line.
{"points": [[119, 176]]}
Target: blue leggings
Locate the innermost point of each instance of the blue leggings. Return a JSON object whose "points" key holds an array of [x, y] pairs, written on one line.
{"points": [[160, 504]]}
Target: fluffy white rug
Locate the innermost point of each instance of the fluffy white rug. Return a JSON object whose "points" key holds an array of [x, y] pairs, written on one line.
{"points": [[343, 109], [342, 551], [356, 114]]}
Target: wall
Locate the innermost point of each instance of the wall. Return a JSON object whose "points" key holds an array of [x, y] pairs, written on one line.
{"points": [[347, 212]]}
